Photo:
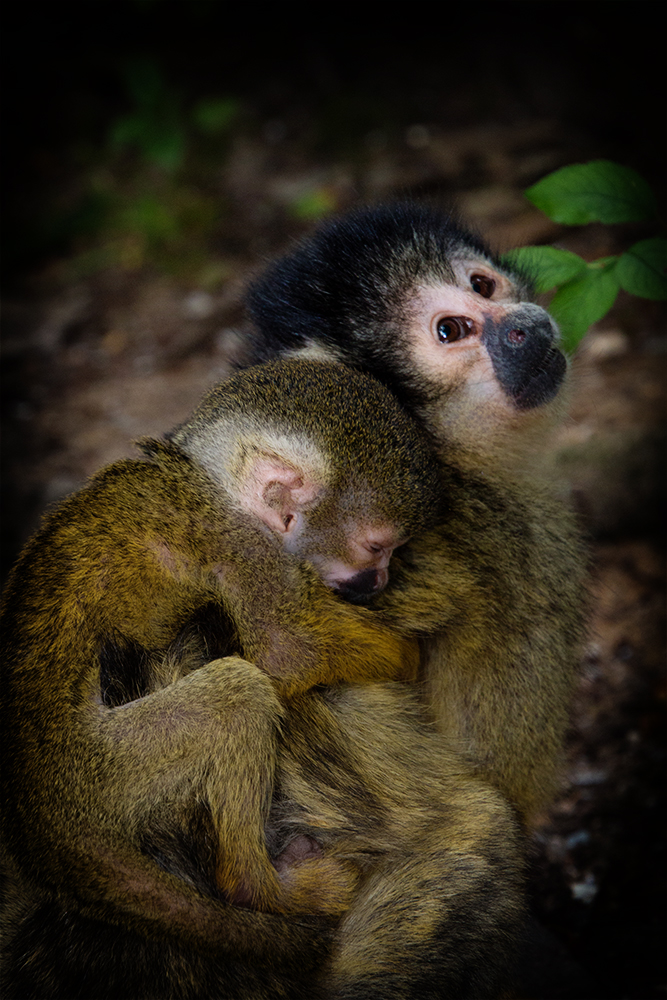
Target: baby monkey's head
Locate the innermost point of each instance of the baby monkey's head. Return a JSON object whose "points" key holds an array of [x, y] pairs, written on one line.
{"points": [[324, 458]]}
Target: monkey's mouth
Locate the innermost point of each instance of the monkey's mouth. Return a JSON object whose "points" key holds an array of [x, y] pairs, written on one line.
{"points": [[361, 588], [543, 383]]}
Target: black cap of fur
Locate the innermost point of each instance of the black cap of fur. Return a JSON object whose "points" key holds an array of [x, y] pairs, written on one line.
{"points": [[347, 286]]}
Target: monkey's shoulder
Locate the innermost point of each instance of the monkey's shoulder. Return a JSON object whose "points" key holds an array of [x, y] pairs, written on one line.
{"points": [[138, 543], [127, 501], [503, 552]]}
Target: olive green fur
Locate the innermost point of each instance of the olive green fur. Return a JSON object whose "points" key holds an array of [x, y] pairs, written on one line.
{"points": [[147, 814]]}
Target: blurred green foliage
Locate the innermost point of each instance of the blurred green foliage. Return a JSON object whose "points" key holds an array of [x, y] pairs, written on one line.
{"points": [[159, 125], [152, 209], [149, 192], [313, 204], [600, 191]]}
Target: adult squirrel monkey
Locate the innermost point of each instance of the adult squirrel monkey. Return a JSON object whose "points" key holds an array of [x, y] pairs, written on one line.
{"points": [[406, 294], [404, 801]]}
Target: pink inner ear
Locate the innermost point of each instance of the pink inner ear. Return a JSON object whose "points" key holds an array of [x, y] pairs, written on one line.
{"points": [[275, 492]]}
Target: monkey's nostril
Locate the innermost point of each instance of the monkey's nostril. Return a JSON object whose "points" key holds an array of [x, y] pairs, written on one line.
{"points": [[516, 336]]}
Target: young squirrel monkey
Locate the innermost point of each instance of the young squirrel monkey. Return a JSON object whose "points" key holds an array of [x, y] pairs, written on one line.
{"points": [[209, 552]]}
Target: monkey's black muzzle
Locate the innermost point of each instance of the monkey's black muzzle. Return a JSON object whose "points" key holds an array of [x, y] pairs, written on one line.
{"points": [[528, 365], [359, 589]]}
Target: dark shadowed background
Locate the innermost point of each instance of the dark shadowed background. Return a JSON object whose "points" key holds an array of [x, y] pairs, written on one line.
{"points": [[156, 153]]}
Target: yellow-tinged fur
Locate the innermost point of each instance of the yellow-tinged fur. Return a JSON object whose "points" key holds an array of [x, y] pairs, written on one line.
{"points": [[156, 568]]}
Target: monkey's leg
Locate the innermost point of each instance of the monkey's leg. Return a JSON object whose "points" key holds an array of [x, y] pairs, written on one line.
{"points": [[440, 854], [206, 740], [443, 920], [123, 900], [200, 807]]}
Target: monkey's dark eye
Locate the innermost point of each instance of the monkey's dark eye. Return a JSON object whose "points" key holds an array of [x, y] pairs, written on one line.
{"points": [[451, 328], [482, 285]]}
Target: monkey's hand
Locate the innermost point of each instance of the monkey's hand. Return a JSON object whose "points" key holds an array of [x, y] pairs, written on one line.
{"points": [[352, 644], [303, 635], [330, 642]]}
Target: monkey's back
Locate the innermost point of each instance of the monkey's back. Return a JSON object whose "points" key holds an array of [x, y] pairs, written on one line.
{"points": [[124, 559]]}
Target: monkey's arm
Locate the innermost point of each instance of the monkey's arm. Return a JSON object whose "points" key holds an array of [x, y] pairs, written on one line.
{"points": [[320, 640], [499, 638], [115, 795], [428, 590], [297, 631]]}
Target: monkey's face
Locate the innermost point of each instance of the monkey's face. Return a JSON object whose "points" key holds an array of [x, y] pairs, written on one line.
{"points": [[354, 562], [476, 344]]}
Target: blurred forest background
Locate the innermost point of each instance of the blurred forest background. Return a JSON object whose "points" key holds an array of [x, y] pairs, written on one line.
{"points": [[157, 153]]}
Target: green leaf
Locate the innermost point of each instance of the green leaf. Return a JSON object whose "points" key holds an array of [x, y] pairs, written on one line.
{"points": [[600, 191], [546, 266], [583, 301], [641, 269]]}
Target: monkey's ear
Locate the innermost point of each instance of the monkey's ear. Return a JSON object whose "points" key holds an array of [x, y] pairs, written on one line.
{"points": [[276, 491]]}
